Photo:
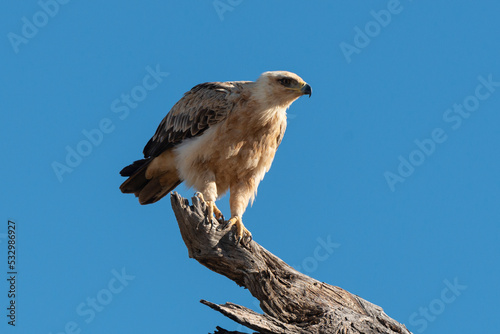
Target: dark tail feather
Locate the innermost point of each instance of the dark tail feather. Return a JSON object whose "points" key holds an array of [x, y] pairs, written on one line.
{"points": [[148, 190], [131, 169], [137, 177], [154, 191]]}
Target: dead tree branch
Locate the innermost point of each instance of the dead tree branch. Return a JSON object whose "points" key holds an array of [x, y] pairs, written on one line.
{"points": [[292, 302]]}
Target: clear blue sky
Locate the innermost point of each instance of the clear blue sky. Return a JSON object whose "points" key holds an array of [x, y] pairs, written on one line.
{"points": [[386, 183]]}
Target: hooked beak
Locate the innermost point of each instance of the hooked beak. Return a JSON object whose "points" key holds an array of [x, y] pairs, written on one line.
{"points": [[306, 90]]}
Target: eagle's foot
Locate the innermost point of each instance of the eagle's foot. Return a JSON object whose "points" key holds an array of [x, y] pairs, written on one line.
{"points": [[212, 209], [242, 234]]}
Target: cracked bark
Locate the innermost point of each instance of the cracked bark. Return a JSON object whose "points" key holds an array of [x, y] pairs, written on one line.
{"points": [[292, 302]]}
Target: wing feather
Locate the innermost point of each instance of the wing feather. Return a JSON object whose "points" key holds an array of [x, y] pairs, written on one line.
{"points": [[203, 106]]}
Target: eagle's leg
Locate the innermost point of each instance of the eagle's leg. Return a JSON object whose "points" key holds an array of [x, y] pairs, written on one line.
{"points": [[242, 234], [238, 201]]}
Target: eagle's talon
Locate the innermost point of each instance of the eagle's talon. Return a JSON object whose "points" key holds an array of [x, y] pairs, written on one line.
{"points": [[211, 222], [224, 225], [218, 214], [241, 233]]}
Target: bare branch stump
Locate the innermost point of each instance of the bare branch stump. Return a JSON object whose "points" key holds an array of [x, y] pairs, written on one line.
{"points": [[292, 302]]}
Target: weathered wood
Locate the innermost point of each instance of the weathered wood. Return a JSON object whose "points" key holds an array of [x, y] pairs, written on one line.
{"points": [[292, 302], [223, 331]]}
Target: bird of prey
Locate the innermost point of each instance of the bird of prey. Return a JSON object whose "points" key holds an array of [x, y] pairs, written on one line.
{"points": [[219, 136]]}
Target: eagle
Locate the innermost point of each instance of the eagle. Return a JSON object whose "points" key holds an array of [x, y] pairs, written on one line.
{"points": [[219, 136]]}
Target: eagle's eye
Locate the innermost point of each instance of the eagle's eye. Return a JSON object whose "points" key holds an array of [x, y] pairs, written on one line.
{"points": [[285, 82]]}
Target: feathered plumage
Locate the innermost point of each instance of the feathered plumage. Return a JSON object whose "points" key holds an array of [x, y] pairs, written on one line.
{"points": [[219, 136]]}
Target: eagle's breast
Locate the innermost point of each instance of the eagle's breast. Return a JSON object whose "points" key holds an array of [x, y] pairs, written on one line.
{"points": [[241, 149]]}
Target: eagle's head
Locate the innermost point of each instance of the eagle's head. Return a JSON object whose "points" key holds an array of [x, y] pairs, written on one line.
{"points": [[281, 87]]}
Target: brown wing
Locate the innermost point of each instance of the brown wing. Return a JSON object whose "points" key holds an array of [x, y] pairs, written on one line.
{"points": [[203, 106]]}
